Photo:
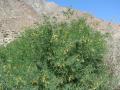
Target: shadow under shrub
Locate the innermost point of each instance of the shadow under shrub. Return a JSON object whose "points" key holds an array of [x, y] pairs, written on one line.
{"points": [[66, 56]]}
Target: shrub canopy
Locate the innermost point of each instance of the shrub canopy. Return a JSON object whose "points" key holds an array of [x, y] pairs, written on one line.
{"points": [[65, 56]]}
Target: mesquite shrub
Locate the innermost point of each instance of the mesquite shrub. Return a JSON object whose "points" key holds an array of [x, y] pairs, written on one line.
{"points": [[67, 56]]}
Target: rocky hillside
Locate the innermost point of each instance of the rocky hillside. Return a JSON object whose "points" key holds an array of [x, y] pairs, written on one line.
{"points": [[17, 14]]}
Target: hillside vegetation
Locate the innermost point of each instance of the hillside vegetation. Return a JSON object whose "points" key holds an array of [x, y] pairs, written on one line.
{"points": [[64, 56]]}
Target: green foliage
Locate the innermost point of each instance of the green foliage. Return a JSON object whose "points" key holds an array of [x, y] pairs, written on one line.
{"points": [[55, 57]]}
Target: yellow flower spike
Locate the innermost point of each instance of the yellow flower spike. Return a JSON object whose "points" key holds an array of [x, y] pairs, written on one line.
{"points": [[34, 83], [19, 79], [5, 68], [70, 78], [58, 65], [44, 78], [55, 37], [65, 51]]}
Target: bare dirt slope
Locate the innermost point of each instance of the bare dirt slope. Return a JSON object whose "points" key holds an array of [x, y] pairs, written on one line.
{"points": [[16, 14]]}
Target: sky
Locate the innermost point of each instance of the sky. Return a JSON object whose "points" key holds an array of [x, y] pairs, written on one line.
{"points": [[108, 10]]}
